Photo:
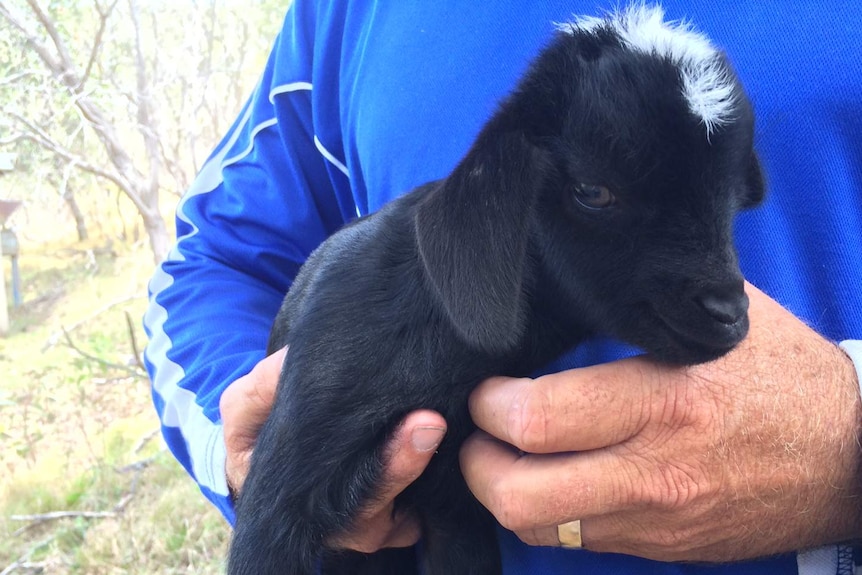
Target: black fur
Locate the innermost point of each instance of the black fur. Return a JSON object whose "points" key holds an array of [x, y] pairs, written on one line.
{"points": [[496, 269]]}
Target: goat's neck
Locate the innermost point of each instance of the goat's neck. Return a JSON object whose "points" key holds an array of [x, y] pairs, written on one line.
{"points": [[554, 327]]}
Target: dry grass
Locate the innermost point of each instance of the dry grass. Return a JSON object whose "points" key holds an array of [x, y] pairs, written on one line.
{"points": [[77, 430]]}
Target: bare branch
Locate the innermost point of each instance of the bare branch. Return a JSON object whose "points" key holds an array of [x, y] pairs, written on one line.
{"points": [[54, 515], [67, 173], [97, 359], [52, 341], [146, 117], [141, 464], [62, 66], [68, 66], [23, 560], [40, 137], [172, 165], [119, 507], [97, 41], [31, 39], [134, 342], [14, 139], [168, 103], [240, 65], [19, 76], [143, 441]]}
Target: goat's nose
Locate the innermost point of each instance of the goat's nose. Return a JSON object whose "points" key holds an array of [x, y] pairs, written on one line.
{"points": [[727, 304]]}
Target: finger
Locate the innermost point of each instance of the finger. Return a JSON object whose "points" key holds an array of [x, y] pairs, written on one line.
{"points": [[407, 453], [575, 410], [246, 403], [406, 532], [526, 492], [540, 537], [599, 533], [378, 532]]}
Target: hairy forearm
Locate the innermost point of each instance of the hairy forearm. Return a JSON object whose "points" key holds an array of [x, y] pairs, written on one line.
{"points": [[818, 453]]}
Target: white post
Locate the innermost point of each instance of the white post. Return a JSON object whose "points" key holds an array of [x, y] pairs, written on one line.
{"points": [[4, 309], [7, 164]]}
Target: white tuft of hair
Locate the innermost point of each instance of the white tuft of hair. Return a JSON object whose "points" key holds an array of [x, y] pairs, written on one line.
{"points": [[707, 86]]}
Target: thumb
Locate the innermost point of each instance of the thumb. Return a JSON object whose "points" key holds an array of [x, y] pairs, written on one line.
{"points": [[407, 454], [244, 406]]}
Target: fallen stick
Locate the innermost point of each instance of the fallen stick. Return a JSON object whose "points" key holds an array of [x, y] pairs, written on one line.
{"points": [[23, 562], [54, 515]]}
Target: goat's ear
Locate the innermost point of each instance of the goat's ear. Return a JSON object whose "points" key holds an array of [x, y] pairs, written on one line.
{"points": [[473, 232], [754, 182]]}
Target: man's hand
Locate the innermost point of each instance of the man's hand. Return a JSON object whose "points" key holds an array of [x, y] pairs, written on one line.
{"points": [[245, 405], [408, 453], [747, 456]]}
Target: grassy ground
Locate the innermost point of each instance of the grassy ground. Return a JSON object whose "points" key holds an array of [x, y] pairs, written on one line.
{"points": [[78, 432]]}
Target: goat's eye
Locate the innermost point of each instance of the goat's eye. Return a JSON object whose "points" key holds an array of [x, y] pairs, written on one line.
{"points": [[594, 197]]}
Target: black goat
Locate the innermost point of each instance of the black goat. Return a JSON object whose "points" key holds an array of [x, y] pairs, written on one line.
{"points": [[598, 199]]}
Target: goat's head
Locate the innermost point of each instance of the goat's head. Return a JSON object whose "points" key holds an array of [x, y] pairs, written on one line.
{"points": [[614, 172]]}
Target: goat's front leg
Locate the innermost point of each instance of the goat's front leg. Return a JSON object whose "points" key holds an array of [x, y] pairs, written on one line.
{"points": [[396, 561], [465, 544]]}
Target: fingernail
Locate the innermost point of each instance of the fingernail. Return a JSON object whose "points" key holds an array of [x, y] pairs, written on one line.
{"points": [[427, 438]]}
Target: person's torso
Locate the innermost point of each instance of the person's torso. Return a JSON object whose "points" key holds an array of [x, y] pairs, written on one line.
{"points": [[402, 88]]}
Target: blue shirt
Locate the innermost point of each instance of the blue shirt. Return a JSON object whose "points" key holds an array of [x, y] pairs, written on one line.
{"points": [[362, 101]]}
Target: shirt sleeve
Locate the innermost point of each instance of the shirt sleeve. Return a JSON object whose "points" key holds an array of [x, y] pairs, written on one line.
{"points": [[260, 204], [853, 348]]}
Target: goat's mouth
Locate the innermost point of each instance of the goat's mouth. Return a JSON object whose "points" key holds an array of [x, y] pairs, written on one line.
{"points": [[695, 337]]}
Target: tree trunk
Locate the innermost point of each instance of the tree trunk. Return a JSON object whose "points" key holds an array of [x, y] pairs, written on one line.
{"points": [[157, 231], [4, 309], [80, 224]]}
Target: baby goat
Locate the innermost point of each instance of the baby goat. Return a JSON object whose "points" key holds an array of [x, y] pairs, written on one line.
{"points": [[599, 199]]}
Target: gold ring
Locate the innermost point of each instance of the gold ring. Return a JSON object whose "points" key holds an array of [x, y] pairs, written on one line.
{"points": [[569, 535]]}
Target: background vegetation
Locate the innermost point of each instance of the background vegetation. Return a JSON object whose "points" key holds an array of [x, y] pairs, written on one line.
{"points": [[110, 106]]}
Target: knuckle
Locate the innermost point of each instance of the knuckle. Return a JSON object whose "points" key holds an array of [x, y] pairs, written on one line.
{"points": [[249, 393], [674, 486], [348, 543], [650, 539], [531, 537], [671, 544], [358, 539], [227, 399], [689, 405], [528, 420], [365, 546], [506, 507], [258, 379], [675, 476]]}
